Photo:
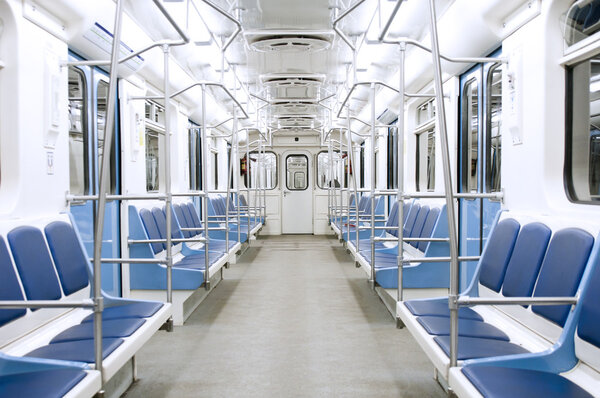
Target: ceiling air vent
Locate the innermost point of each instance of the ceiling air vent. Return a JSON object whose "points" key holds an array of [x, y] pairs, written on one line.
{"points": [[303, 41]]}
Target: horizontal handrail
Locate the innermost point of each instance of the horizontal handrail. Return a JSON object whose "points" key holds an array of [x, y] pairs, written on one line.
{"points": [[178, 240], [409, 239], [133, 260], [466, 60], [87, 303], [439, 259], [466, 301]]}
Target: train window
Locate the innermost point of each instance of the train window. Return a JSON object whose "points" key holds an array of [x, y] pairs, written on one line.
{"points": [[581, 21], [102, 100], [268, 163], [195, 158], [392, 158], [331, 174], [426, 112], [582, 157], [494, 130], [154, 127], [376, 168], [425, 165], [78, 133], [296, 172], [362, 165], [470, 118], [216, 169]]}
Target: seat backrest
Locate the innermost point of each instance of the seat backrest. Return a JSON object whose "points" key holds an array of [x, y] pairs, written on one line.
{"points": [[497, 253], [587, 338], [161, 223], [183, 222], [176, 232], [428, 227], [9, 286], [70, 261], [561, 271], [193, 215], [243, 201], [527, 256], [392, 220], [34, 264], [152, 230], [415, 232], [411, 218]]}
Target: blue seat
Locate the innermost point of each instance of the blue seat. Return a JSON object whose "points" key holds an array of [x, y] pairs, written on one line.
{"points": [[110, 328], [34, 264], [78, 350], [474, 347], [438, 307], [152, 230], [524, 375], [142, 309], [570, 246], [9, 286], [497, 382], [40, 384], [440, 326]]}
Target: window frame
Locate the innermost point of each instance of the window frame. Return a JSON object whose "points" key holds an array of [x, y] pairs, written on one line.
{"points": [[276, 174], [85, 131]]}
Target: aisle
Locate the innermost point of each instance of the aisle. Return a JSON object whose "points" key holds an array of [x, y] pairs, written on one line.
{"points": [[294, 318]]}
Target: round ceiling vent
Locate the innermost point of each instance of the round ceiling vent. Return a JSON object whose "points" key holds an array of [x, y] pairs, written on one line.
{"points": [[285, 43]]}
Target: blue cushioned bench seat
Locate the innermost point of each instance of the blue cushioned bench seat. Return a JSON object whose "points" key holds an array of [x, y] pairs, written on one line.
{"points": [[440, 326], [48, 350], [501, 382], [141, 309], [421, 220], [559, 372], [40, 384], [77, 350], [113, 328], [528, 260], [438, 307]]}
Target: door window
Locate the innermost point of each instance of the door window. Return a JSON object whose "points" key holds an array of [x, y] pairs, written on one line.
{"points": [[296, 172]]}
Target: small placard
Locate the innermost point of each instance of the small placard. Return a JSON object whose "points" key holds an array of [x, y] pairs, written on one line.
{"points": [[50, 163]]}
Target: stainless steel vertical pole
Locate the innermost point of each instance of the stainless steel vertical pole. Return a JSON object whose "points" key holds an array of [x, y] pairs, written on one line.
{"points": [[205, 189], [168, 209], [103, 188], [373, 177], [400, 176], [248, 170], [441, 119], [329, 181], [353, 178]]}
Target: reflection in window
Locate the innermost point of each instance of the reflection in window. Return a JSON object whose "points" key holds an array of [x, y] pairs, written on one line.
{"points": [[102, 100], [267, 178], [296, 172], [425, 170], [581, 21], [154, 121], [152, 160], [470, 128], [195, 158], [78, 133], [331, 172], [582, 171], [494, 129]]}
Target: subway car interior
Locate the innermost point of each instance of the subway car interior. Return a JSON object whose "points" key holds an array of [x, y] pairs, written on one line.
{"points": [[283, 198]]}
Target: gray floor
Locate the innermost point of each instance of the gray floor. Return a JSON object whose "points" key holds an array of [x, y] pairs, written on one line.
{"points": [[294, 318]]}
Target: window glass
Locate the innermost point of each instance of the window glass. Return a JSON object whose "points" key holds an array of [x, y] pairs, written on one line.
{"points": [[582, 158], [78, 133], [494, 129], [425, 167], [329, 174], [152, 160], [195, 158], [470, 109], [376, 169], [154, 127], [216, 169], [392, 158], [266, 174], [296, 172], [581, 21], [362, 165], [102, 100]]}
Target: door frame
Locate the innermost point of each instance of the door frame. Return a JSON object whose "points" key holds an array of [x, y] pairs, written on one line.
{"points": [[309, 186]]}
